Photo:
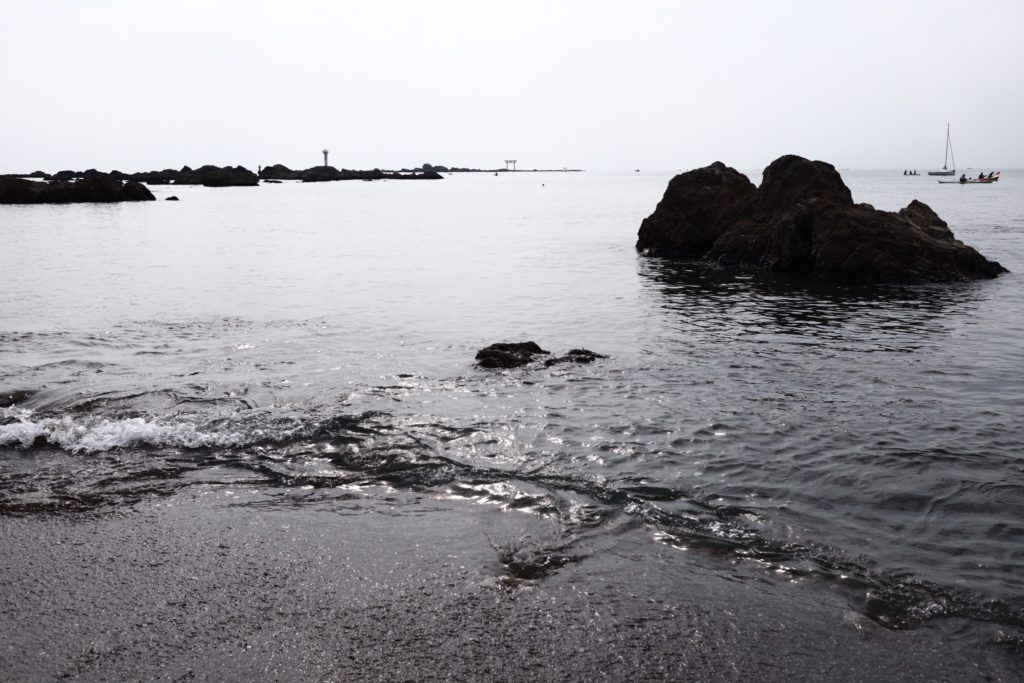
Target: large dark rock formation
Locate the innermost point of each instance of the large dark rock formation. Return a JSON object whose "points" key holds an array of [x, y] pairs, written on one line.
{"points": [[96, 188], [802, 222]]}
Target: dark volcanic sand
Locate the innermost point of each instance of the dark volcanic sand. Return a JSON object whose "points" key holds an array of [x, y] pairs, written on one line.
{"points": [[211, 584]]}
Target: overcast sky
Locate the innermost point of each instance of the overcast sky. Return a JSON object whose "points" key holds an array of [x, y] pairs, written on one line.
{"points": [[596, 85]]}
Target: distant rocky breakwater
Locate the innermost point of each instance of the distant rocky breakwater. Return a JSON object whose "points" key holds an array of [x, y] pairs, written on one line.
{"points": [[96, 186], [210, 176], [802, 223], [318, 174], [92, 185]]}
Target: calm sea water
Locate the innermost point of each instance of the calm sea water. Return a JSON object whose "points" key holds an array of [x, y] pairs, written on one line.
{"points": [[315, 339]]}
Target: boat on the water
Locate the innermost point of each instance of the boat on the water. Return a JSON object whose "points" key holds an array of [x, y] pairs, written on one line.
{"points": [[949, 156], [981, 180]]}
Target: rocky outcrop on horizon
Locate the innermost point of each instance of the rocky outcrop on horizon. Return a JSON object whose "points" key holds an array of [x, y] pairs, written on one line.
{"points": [[208, 175], [802, 222], [215, 176], [96, 188], [279, 172], [164, 177], [319, 174]]}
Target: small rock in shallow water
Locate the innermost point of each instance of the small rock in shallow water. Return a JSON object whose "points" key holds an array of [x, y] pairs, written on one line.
{"points": [[514, 355], [508, 355]]}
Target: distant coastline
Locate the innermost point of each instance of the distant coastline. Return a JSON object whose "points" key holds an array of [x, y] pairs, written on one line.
{"points": [[220, 176], [225, 176], [67, 186]]}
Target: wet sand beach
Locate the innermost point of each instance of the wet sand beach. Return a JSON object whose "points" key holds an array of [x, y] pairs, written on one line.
{"points": [[402, 587]]}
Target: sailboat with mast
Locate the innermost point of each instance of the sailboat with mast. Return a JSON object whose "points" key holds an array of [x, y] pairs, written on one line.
{"points": [[949, 157]]}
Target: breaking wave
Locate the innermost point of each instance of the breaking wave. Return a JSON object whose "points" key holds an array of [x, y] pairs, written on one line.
{"points": [[102, 434]]}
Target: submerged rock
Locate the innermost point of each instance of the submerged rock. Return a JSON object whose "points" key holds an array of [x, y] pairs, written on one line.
{"points": [[575, 356], [96, 188], [14, 397], [802, 222]]}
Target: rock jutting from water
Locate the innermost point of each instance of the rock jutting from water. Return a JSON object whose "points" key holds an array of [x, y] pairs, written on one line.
{"points": [[508, 354], [802, 222], [515, 354], [95, 188], [575, 356]]}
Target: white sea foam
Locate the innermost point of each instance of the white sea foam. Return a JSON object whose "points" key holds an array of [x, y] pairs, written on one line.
{"points": [[92, 435]]}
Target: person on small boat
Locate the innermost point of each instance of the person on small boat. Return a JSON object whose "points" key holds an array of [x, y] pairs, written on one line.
{"points": [[963, 177]]}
